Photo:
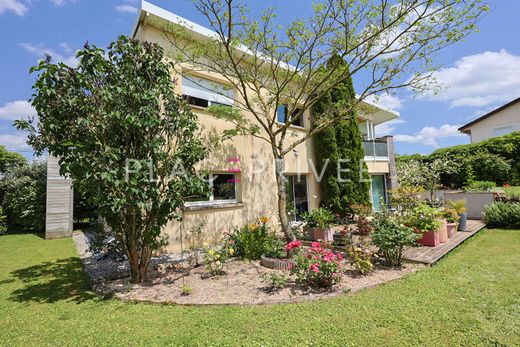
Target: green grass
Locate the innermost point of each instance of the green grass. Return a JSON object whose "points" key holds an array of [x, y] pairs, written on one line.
{"points": [[471, 298], [512, 191]]}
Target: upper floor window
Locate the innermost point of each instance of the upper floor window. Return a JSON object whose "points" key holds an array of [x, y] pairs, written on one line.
{"points": [[281, 115], [503, 131], [204, 93]]}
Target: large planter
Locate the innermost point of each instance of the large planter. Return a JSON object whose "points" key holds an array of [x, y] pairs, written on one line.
{"points": [[463, 221], [322, 234], [452, 229], [276, 263], [429, 238], [443, 232]]}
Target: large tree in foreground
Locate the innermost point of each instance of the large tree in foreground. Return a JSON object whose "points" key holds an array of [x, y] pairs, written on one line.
{"points": [[386, 45], [124, 137]]}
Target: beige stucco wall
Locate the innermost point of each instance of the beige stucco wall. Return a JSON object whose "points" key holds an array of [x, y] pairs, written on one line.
{"points": [[257, 187], [484, 129]]}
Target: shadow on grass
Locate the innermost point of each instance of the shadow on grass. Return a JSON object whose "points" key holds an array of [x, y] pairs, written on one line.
{"points": [[49, 282]]}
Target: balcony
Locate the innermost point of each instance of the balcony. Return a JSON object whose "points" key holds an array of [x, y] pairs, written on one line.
{"points": [[376, 149]]}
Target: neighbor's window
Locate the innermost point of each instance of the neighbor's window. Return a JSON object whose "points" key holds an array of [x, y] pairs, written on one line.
{"points": [[223, 189], [503, 131], [204, 93], [281, 115]]}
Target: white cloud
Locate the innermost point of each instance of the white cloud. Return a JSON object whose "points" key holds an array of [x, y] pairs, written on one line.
{"points": [[13, 5], [15, 142], [126, 8], [60, 3], [480, 80], [16, 110], [428, 136], [388, 101], [387, 128], [40, 51]]}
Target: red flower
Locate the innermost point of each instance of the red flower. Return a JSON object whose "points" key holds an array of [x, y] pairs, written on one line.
{"points": [[292, 245]]}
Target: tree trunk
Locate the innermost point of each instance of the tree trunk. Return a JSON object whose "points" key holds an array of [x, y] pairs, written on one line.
{"points": [[282, 199]]}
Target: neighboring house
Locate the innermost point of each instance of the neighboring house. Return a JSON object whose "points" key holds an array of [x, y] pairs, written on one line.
{"points": [[242, 169], [502, 121]]}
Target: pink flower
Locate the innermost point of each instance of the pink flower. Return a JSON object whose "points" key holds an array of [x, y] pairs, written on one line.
{"points": [[315, 267], [292, 245], [315, 244]]}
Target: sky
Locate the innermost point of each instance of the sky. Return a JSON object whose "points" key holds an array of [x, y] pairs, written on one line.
{"points": [[477, 75]]}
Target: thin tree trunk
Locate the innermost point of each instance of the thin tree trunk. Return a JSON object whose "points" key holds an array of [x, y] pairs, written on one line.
{"points": [[282, 199]]}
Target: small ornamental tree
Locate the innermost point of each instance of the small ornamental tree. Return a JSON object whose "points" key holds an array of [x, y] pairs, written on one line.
{"points": [[124, 137], [339, 150]]}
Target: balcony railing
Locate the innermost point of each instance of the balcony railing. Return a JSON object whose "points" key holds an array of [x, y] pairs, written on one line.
{"points": [[376, 149]]}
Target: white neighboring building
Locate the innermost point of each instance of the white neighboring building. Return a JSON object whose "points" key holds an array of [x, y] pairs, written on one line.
{"points": [[502, 121]]}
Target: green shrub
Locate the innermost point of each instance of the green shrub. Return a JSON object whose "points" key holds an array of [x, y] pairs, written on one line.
{"points": [[391, 237], [23, 194], [480, 186], [275, 280], [3, 224], [503, 215], [318, 266], [252, 240], [423, 217], [319, 217]]}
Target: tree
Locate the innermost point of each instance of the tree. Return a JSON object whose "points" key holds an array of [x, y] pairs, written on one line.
{"points": [[23, 196], [340, 146], [10, 159], [123, 136], [387, 45]]}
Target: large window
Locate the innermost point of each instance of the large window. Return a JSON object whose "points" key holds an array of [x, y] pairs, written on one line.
{"points": [[297, 201], [281, 115], [223, 189], [203, 93]]}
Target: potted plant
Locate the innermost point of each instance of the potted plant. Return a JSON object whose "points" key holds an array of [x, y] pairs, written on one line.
{"points": [[460, 207], [443, 229], [318, 223], [424, 220], [452, 217]]}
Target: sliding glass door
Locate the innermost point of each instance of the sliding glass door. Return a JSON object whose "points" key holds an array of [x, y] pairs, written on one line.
{"points": [[297, 201], [378, 191]]}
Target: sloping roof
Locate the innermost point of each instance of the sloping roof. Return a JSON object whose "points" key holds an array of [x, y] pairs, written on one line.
{"points": [[464, 128], [381, 115]]}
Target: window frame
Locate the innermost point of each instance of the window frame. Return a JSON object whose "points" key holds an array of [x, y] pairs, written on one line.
{"points": [[301, 119], [211, 199], [186, 97]]}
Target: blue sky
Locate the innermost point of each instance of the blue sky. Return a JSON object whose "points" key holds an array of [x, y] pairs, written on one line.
{"points": [[478, 74]]}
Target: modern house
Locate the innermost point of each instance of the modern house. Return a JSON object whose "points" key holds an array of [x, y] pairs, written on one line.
{"points": [[501, 121], [242, 170]]}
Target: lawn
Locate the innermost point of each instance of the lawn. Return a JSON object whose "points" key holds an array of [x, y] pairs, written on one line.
{"points": [[512, 190], [472, 297]]}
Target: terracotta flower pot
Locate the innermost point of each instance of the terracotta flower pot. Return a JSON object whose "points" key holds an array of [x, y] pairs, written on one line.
{"points": [[429, 238], [443, 231], [452, 229], [322, 234]]}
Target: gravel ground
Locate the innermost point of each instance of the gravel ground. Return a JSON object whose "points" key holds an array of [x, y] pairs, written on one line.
{"points": [[241, 284]]}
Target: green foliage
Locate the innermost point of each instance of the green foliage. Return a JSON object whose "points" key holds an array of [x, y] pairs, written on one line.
{"points": [[10, 160], [252, 240], [124, 137], [195, 243], [423, 217], [503, 215], [496, 159], [458, 205], [214, 258], [275, 280], [480, 186], [22, 196], [390, 236], [185, 290], [450, 214], [319, 217], [360, 259], [3, 222], [318, 266], [340, 146]]}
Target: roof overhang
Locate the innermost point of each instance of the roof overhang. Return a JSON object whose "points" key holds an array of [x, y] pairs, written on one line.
{"points": [[378, 114]]}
